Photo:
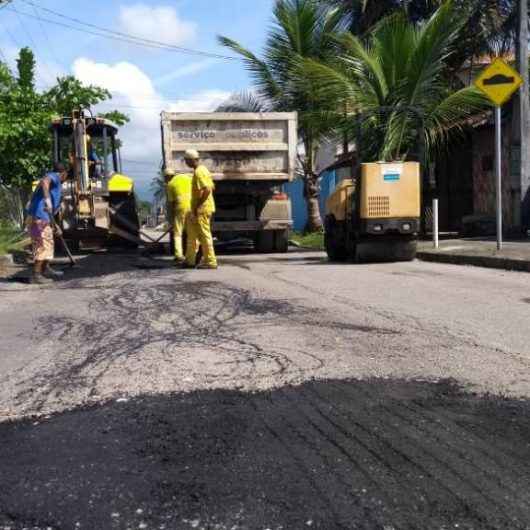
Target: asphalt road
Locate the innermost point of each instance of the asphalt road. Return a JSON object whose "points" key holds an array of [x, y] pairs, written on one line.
{"points": [[278, 392]]}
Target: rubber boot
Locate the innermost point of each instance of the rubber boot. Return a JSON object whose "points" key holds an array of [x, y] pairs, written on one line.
{"points": [[50, 272], [39, 279]]}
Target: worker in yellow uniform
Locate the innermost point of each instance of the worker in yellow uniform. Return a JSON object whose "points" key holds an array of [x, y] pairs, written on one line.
{"points": [[202, 208], [179, 207]]}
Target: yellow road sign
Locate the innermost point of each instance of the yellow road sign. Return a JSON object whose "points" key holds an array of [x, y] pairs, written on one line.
{"points": [[499, 81]]}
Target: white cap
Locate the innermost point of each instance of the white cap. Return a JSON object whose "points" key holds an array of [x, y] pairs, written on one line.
{"points": [[191, 154]]}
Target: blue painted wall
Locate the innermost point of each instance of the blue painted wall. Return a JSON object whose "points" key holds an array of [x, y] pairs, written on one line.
{"points": [[295, 190]]}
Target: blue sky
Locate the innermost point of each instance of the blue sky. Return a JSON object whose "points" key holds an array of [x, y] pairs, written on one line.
{"points": [[143, 81]]}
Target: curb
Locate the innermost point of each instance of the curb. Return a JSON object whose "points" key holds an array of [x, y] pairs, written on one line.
{"points": [[298, 246], [490, 262]]}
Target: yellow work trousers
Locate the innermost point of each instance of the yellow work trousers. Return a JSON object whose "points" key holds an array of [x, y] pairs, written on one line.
{"points": [[179, 225], [199, 232]]}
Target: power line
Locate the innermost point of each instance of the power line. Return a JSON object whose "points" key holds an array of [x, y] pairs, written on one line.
{"points": [[32, 40], [11, 36], [165, 96], [139, 107], [46, 36], [131, 36], [119, 36]]}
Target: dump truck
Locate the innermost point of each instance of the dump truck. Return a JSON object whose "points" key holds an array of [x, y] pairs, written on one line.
{"points": [[99, 205], [251, 156], [376, 215]]}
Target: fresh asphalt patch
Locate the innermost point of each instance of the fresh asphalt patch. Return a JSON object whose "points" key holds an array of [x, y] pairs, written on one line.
{"points": [[377, 454]]}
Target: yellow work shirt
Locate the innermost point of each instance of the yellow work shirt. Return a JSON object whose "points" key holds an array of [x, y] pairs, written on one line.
{"points": [[202, 179], [179, 192]]}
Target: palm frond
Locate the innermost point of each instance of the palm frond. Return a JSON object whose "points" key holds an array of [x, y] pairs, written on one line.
{"points": [[451, 115], [245, 101], [258, 69]]}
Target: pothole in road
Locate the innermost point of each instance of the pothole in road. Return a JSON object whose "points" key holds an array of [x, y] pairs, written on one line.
{"points": [[162, 331]]}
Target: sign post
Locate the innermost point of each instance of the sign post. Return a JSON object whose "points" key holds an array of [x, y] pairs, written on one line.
{"points": [[498, 173], [499, 81]]}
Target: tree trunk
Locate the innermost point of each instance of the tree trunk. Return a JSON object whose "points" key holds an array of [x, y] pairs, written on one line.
{"points": [[311, 192], [314, 220]]}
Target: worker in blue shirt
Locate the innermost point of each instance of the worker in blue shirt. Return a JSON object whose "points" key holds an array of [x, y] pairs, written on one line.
{"points": [[45, 202], [94, 162]]}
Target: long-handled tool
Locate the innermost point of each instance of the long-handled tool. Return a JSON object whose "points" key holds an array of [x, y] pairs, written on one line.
{"points": [[58, 232]]}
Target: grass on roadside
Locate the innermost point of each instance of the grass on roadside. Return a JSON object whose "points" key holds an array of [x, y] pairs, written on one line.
{"points": [[313, 240], [11, 239]]}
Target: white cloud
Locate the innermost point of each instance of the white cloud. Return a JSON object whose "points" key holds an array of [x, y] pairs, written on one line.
{"points": [[184, 71], [204, 101], [160, 23], [135, 94]]}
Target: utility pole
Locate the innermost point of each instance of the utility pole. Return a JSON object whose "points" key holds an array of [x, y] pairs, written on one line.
{"points": [[522, 110]]}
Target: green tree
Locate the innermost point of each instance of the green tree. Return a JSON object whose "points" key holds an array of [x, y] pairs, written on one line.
{"points": [[144, 210], [490, 28], [26, 70], [24, 119], [362, 15], [244, 101], [25, 116], [24, 138], [158, 187], [115, 116], [70, 94], [400, 65], [302, 29]]}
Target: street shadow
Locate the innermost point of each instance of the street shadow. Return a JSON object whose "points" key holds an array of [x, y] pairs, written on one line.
{"points": [[375, 454], [100, 263], [95, 264]]}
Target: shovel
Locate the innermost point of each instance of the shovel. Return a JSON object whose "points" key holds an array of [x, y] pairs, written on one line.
{"points": [[59, 234]]}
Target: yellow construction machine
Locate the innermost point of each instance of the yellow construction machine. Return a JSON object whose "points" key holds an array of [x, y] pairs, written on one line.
{"points": [[99, 202], [375, 215]]}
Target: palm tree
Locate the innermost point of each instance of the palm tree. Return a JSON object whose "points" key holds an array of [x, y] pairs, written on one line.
{"points": [[245, 101], [303, 29], [158, 188], [401, 66], [490, 28], [362, 15]]}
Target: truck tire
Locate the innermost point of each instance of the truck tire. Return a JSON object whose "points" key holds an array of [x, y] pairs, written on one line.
{"points": [[281, 241], [264, 242], [334, 242]]}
